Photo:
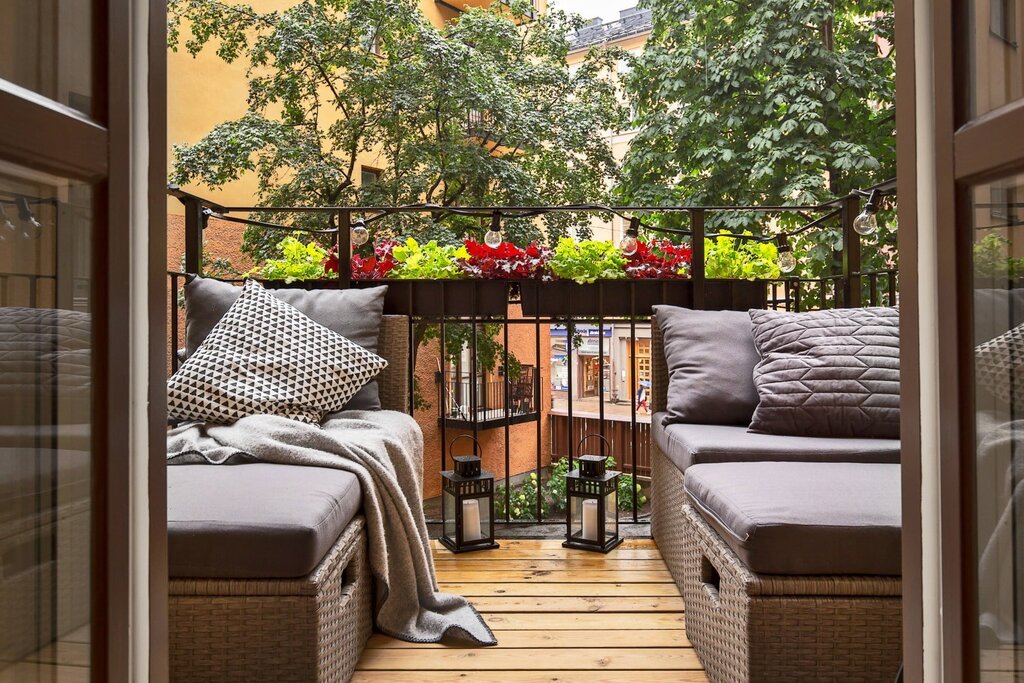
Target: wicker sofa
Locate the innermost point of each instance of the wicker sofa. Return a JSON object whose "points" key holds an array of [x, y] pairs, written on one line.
{"points": [[273, 583], [750, 626]]}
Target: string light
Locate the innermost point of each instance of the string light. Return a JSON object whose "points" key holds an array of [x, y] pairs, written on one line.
{"points": [[360, 235], [492, 237], [866, 222], [628, 244], [787, 261]]}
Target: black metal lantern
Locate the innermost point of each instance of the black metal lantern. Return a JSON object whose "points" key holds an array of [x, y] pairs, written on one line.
{"points": [[592, 512], [467, 503]]}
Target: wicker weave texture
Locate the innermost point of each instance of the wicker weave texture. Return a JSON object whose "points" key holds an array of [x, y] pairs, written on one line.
{"points": [[666, 502], [309, 630], [742, 632], [659, 369], [393, 346]]}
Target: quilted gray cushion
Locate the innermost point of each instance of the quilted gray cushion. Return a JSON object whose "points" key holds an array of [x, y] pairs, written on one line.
{"points": [[710, 357], [44, 354], [828, 373], [353, 313]]}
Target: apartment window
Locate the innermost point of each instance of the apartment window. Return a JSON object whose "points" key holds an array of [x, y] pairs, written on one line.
{"points": [[368, 176]]}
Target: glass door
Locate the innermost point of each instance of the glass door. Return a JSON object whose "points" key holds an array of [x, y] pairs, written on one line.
{"points": [[64, 325], [979, 114]]}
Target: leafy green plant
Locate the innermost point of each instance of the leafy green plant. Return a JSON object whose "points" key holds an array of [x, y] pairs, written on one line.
{"points": [[522, 500], [587, 261], [739, 259], [428, 261], [554, 488], [299, 262], [992, 259]]}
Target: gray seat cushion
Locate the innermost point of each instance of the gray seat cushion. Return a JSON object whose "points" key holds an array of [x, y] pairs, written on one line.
{"points": [[687, 445], [256, 520], [807, 518]]}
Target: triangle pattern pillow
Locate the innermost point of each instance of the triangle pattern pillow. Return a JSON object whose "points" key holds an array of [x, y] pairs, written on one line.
{"points": [[266, 357], [999, 366]]}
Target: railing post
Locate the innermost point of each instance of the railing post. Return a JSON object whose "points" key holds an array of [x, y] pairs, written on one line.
{"points": [[697, 256], [344, 242], [851, 253], [195, 221]]}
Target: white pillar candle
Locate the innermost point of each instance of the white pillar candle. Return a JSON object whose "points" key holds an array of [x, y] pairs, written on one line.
{"points": [[590, 519], [471, 520]]}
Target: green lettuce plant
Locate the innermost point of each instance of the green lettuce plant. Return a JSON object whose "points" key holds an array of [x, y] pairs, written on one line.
{"points": [[587, 261], [428, 261], [298, 262], [739, 259]]}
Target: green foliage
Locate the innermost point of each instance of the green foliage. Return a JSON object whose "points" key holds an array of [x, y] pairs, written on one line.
{"points": [[484, 110], [299, 262], [428, 261], [554, 488], [522, 500], [992, 259], [728, 257], [764, 103], [587, 260], [214, 266]]}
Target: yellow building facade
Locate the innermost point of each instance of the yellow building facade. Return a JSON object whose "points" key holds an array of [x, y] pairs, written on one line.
{"points": [[203, 91]]}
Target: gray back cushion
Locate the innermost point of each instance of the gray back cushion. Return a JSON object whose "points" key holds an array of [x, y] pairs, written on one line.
{"points": [[828, 373], [710, 357], [353, 313]]}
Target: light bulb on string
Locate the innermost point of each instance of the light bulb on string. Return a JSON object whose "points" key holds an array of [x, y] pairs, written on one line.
{"points": [[32, 228], [628, 243], [492, 237], [866, 222], [787, 261], [360, 235]]}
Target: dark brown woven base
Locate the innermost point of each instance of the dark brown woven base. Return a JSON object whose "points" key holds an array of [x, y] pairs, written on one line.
{"points": [[751, 627], [308, 630]]}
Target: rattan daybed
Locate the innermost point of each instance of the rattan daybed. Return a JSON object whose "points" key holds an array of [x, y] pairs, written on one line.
{"points": [[747, 626], [310, 629]]}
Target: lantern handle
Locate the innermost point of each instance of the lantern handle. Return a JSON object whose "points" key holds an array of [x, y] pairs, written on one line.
{"points": [[579, 446], [476, 444]]}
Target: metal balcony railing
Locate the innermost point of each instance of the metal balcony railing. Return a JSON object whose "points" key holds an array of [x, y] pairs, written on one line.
{"points": [[523, 430]]}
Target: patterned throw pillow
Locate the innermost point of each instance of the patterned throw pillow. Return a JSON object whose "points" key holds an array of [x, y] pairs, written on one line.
{"points": [[832, 373], [265, 357], [999, 365]]}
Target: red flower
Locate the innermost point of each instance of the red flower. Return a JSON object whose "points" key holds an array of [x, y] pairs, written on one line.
{"points": [[374, 267], [505, 261], [659, 258]]}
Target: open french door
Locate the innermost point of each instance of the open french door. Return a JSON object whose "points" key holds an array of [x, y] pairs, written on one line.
{"points": [[961, 137], [69, 107]]}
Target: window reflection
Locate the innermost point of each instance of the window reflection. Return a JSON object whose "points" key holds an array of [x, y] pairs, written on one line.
{"points": [[998, 256], [45, 458]]}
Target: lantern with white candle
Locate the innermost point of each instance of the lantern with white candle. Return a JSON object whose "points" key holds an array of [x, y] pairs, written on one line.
{"points": [[467, 509], [592, 519]]}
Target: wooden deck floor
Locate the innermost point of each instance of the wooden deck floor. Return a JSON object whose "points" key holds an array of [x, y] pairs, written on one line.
{"points": [[559, 615]]}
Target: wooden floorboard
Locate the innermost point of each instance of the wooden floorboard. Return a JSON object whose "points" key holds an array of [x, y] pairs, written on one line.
{"points": [[558, 615]]}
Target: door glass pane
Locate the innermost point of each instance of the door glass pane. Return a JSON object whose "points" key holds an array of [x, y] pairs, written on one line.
{"points": [[998, 254], [45, 458], [996, 57], [46, 46]]}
